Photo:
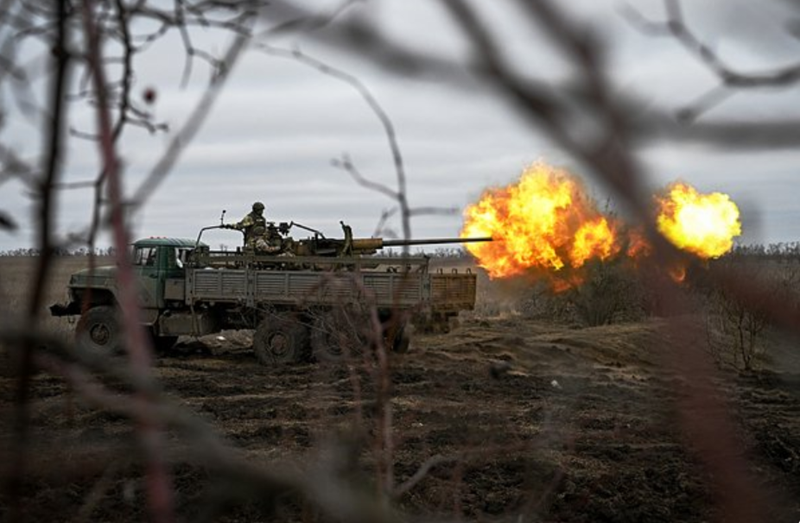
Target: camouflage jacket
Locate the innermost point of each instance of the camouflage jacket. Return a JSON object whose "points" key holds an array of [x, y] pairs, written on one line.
{"points": [[247, 223], [261, 245]]}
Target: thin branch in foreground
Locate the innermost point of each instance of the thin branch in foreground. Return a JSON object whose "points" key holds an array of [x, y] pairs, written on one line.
{"points": [[655, 127], [346, 164], [192, 126], [52, 155], [159, 483], [400, 195], [316, 478], [676, 27]]}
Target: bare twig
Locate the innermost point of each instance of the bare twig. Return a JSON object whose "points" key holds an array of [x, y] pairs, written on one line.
{"points": [[658, 126], [193, 124], [159, 483], [53, 129], [345, 163], [675, 26]]}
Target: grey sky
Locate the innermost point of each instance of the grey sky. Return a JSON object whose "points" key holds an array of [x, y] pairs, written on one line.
{"points": [[278, 124]]}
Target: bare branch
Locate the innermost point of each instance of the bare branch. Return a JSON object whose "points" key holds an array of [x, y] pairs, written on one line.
{"points": [[159, 482], [345, 163], [676, 27], [53, 130], [307, 24], [192, 126]]}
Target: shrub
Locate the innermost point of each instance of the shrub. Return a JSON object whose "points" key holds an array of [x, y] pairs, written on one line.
{"points": [[610, 292], [735, 325]]}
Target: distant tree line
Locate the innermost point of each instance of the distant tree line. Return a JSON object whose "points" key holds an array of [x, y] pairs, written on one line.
{"points": [[452, 252], [781, 250], [439, 252], [81, 251]]}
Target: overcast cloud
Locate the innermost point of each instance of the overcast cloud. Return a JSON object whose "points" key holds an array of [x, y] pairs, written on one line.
{"points": [[277, 126]]}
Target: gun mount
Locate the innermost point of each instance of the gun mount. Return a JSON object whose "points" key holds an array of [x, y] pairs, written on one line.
{"points": [[316, 251]]}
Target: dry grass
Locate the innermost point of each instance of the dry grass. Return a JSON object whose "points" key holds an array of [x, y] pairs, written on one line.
{"points": [[16, 273]]}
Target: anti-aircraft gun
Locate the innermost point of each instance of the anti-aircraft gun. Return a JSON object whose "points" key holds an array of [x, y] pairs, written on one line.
{"points": [[319, 245], [316, 251]]}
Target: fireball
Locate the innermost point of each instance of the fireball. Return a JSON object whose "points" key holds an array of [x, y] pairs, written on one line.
{"points": [[544, 221], [703, 224], [545, 224]]}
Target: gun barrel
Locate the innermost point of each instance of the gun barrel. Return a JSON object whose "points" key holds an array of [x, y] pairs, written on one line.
{"points": [[435, 241]]}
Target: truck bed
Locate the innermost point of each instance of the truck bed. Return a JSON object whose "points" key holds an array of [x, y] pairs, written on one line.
{"points": [[434, 292]]}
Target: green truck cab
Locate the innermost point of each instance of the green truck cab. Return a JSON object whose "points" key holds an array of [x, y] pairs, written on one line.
{"points": [[158, 266]]}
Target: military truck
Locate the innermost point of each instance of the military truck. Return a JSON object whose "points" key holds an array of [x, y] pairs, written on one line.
{"points": [[321, 298]]}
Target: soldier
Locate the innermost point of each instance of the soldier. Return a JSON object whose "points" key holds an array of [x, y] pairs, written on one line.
{"points": [[261, 243], [253, 218]]}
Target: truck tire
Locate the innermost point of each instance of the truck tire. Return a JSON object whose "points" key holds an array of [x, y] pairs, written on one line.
{"points": [[98, 330], [281, 339], [162, 344], [396, 331], [401, 340], [337, 335]]}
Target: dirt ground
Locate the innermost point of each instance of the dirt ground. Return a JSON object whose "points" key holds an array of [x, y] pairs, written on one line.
{"points": [[528, 420]]}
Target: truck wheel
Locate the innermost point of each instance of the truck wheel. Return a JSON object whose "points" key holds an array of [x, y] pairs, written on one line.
{"points": [[280, 339], [338, 335], [98, 330], [396, 335], [401, 340], [163, 344]]}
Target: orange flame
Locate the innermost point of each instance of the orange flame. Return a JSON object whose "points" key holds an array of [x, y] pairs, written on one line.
{"points": [[543, 221], [703, 224], [545, 224], [677, 273], [638, 246]]}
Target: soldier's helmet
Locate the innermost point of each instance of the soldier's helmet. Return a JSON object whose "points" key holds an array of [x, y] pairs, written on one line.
{"points": [[258, 206]]}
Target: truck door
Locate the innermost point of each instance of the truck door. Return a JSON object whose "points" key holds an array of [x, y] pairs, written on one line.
{"points": [[151, 264]]}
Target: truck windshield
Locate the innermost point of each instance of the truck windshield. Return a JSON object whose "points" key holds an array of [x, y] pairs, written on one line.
{"points": [[144, 256]]}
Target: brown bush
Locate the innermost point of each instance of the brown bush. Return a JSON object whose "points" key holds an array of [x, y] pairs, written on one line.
{"points": [[737, 326]]}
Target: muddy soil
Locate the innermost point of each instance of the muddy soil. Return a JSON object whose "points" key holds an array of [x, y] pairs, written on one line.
{"points": [[519, 420]]}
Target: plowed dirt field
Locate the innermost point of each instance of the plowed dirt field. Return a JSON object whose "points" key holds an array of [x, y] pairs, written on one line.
{"points": [[505, 418]]}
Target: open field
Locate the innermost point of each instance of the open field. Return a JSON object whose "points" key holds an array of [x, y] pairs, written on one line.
{"points": [[528, 420]]}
